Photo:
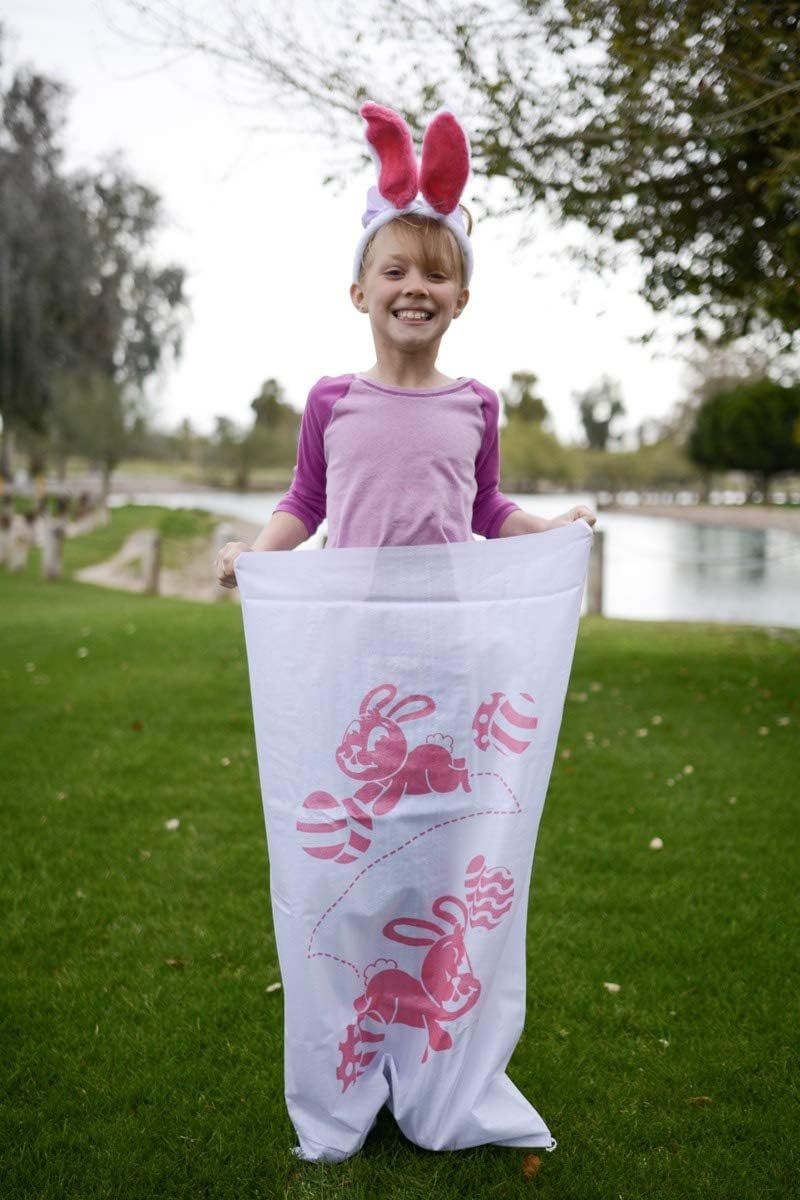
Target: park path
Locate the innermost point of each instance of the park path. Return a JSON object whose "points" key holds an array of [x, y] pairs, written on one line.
{"points": [[192, 579]]}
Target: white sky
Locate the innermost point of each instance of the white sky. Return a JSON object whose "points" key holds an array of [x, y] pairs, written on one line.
{"points": [[269, 249]]}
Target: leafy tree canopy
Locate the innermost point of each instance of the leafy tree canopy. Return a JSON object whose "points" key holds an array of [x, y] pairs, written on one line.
{"points": [[670, 126], [271, 408], [753, 426], [521, 399], [599, 407], [79, 290]]}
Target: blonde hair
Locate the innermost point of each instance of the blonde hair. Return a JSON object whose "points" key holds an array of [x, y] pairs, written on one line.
{"points": [[438, 247]]}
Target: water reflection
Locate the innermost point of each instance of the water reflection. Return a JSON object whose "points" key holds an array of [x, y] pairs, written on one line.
{"points": [[676, 570], [745, 550]]}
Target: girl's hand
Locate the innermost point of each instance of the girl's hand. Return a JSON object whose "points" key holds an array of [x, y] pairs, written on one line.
{"points": [[223, 563], [580, 511]]}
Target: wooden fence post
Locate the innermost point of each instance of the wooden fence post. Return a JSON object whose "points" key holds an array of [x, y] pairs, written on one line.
{"points": [[52, 546], [151, 560], [594, 580], [5, 536], [20, 539]]}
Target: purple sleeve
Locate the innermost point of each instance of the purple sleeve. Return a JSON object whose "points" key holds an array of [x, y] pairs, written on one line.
{"points": [[306, 497], [490, 507]]}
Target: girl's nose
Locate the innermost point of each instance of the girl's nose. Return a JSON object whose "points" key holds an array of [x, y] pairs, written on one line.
{"points": [[415, 282]]}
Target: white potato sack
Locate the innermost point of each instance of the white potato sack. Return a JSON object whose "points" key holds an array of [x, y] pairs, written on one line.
{"points": [[407, 702]]}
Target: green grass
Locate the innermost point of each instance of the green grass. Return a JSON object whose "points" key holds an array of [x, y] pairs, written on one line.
{"points": [[142, 1054], [181, 530]]}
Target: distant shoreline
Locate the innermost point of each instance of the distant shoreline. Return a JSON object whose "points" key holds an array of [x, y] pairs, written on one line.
{"points": [[737, 516]]}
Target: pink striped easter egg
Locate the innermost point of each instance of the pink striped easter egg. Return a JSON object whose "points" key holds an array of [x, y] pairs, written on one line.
{"points": [[489, 892], [505, 722], [334, 830]]}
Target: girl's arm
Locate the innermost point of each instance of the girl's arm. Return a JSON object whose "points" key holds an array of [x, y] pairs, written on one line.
{"points": [[283, 531], [522, 522]]}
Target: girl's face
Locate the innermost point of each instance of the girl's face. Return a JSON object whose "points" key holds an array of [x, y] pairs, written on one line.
{"points": [[410, 302]]}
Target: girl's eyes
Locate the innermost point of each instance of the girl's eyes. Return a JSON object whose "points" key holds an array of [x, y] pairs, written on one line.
{"points": [[436, 276]]}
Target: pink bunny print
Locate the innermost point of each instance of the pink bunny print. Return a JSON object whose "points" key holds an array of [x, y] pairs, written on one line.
{"points": [[374, 751], [447, 987]]}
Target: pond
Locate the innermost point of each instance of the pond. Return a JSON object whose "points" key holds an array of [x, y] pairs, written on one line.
{"points": [[656, 568]]}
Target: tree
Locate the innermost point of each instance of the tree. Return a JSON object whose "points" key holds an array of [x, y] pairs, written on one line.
{"points": [[599, 407], [42, 249], [532, 455], [753, 426], [670, 126], [90, 417], [521, 400], [79, 292], [270, 407]]}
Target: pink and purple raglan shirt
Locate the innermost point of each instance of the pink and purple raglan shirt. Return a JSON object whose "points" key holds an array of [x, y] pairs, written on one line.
{"points": [[390, 467]]}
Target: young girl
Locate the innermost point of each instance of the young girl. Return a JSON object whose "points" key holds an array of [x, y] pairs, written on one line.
{"points": [[401, 454]]}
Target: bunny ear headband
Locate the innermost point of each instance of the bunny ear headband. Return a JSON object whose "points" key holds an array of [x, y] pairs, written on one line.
{"points": [[441, 176]]}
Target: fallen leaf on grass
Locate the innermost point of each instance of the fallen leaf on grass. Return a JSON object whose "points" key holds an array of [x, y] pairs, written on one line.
{"points": [[700, 1101], [136, 726], [531, 1164], [176, 962]]}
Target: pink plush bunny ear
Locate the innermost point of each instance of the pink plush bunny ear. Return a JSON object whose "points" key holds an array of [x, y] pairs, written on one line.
{"points": [[445, 163], [393, 149]]}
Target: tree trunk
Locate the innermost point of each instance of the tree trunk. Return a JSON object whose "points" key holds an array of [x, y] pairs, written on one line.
{"points": [[705, 486], [7, 453], [105, 483]]}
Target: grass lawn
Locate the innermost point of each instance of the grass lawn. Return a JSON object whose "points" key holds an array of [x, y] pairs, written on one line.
{"points": [[142, 1053]]}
